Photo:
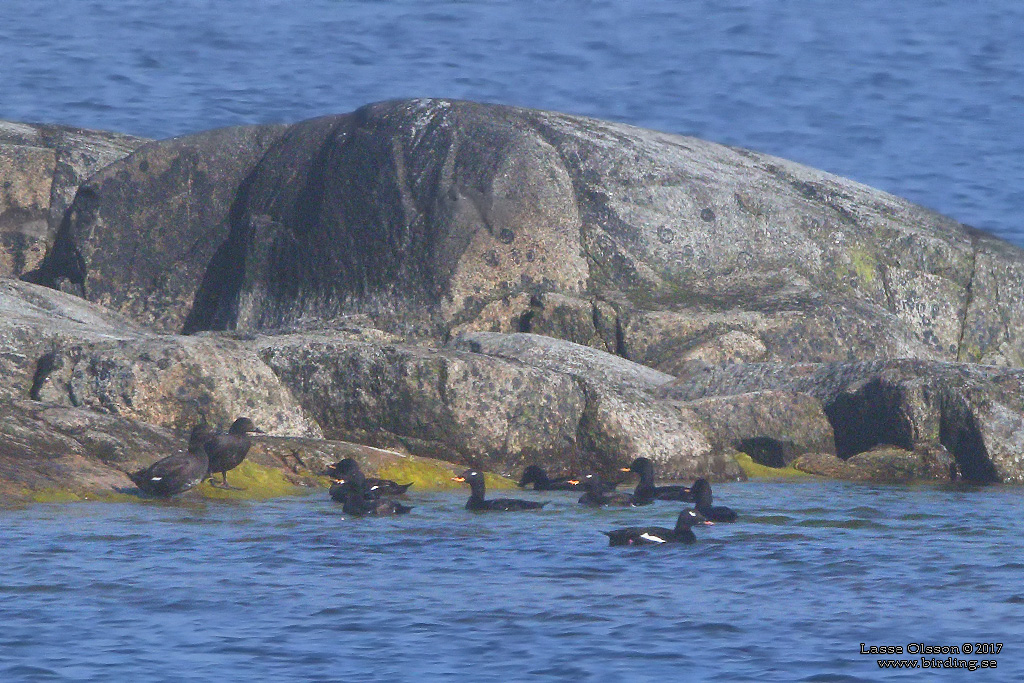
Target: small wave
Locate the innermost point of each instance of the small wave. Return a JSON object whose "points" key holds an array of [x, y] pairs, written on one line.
{"points": [[31, 673], [778, 520], [842, 524]]}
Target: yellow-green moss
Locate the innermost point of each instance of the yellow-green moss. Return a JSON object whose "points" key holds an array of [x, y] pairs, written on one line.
{"points": [[423, 474], [426, 475], [52, 496], [969, 353], [496, 481], [258, 482], [66, 496], [755, 470], [864, 264]]}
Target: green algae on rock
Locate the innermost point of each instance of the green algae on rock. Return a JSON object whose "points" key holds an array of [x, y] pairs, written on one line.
{"points": [[254, 482], [755, 470], [427, 475]]}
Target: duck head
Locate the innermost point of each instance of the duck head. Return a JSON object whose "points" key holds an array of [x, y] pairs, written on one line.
{"points": [[343, 469], [201, 433], [640, 466], [645, 469], [689, 518], [590, 482], [533, 474], [243, 425], [475, 479], [701, 491]]}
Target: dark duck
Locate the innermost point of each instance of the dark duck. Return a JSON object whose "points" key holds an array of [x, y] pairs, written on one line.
{"points": [[176, 473], [477, 502], [359, 499], [645, 488], [343, 469], [657, 535], [536, 475], [227, 451], [716, 513], [598, 495]]}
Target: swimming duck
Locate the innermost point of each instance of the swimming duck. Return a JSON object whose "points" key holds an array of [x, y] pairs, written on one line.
{"points": [[645, 488], [656, 535], [179, 472], [597, 494], [227, 451], [716, 513], [359, 499], [538, 477], [476, 500], [385, 487], [534, 474]]}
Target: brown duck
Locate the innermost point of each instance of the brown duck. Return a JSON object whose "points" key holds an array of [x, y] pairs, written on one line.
{"points": [[227, 451], [176, 473]]}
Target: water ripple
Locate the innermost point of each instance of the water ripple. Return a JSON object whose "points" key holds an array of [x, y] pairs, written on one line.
{"points": [[229, 591]]}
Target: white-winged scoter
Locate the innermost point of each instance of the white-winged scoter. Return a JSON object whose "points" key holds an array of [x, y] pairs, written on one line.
{"points": [[227, 451], [476, 501], [176, 473], [343, 469], [657, 535]]}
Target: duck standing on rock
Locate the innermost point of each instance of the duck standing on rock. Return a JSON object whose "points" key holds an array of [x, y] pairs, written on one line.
{"points": [[343, 469], [358, 498], [176, 473], [227, 451], [716, 513], [476, 500], [645, 488], [657, 535]]}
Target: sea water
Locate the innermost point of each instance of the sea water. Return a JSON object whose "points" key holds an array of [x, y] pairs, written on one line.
{"points": [[921, 98], [294, 590]]}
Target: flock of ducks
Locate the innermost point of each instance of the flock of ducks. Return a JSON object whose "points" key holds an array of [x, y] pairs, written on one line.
{"points": [[362, 496], [210, 452]]}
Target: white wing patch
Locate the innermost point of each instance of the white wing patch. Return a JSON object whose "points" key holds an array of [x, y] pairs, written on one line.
{"points": [[652, 537], [155, 478]]}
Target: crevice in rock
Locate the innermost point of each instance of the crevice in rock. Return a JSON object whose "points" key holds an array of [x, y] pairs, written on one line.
{"points": [[868, 417], [524, 321], [959, 433], [890, 300], [968, 298], [601, 326], [620, 339], [46, 364], [63, 260], [763, 450]]}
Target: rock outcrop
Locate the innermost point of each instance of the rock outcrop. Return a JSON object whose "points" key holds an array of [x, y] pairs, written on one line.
{"points": [[58, 349], [143, 231], [55, 453], [972, 411], [496, 286], [41, 167]]}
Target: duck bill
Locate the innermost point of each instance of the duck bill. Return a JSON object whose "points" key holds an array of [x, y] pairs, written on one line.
{"points": [[462, 479], [625, 469], [574, 482]]}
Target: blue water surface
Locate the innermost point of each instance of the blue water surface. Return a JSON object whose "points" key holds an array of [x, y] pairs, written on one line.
{"points": [[292, 590], [922, 98]]}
